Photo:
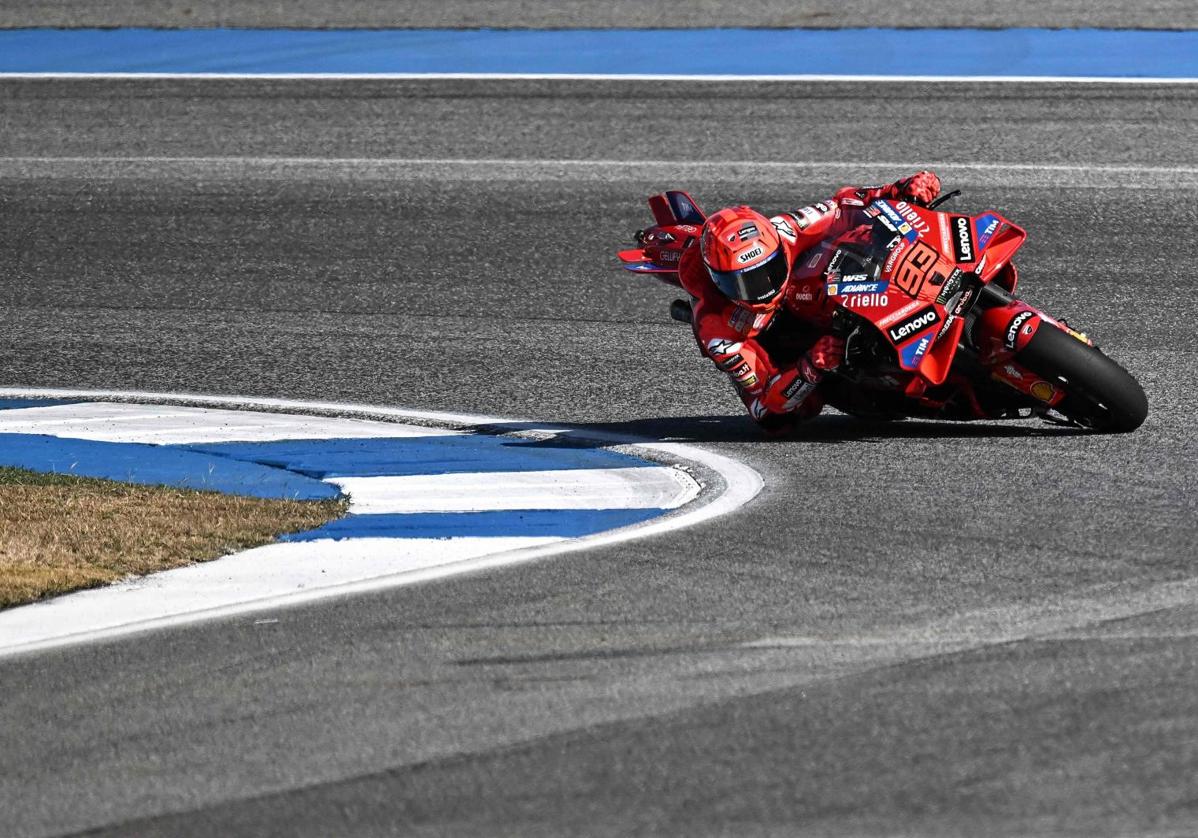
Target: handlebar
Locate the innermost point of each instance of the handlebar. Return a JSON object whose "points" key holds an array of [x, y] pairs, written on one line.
{"points": [[947, 196]]}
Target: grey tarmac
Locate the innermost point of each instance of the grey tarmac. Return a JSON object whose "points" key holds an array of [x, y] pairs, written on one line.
{"points": [[577, 14], [918, 629]]}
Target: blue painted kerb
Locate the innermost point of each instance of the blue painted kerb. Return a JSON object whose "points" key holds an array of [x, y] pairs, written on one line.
{"points": [[294, 468], [158, 465], [887, 52]]}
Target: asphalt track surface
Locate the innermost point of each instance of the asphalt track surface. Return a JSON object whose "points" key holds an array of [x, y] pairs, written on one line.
{"points": [[572, 14], [918, 629]]}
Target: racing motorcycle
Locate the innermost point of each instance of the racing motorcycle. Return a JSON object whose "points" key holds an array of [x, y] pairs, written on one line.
{"points": [[926, 303]]}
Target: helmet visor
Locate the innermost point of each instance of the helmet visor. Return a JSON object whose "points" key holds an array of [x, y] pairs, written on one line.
{"points": [[758, 284]]}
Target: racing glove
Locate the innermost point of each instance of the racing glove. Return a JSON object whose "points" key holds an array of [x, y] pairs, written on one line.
{"points": [[827, 354], [921, 188]]}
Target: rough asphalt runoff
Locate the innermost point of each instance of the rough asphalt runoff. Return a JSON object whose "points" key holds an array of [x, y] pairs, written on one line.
{"points": [[918, 629]]}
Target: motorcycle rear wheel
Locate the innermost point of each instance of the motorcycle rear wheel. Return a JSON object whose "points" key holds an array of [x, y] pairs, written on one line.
{"points": [[1100, 394]]}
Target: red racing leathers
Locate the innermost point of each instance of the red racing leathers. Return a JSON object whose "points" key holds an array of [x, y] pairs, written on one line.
{"points": [[779, 391]]}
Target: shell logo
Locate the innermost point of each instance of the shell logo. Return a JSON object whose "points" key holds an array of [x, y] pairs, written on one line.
{"points": [[1043, 391]]}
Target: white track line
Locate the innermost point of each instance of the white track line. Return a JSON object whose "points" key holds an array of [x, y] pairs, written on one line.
{"points": [[571, 163], [1052, 175], [741, 485], [632, 77]]}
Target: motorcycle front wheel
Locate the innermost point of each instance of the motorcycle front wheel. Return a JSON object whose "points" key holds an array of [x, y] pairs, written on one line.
{"points": [[1099, 393]]}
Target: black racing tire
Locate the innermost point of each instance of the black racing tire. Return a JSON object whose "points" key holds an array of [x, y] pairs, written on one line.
{"points": [[1100, 394]]}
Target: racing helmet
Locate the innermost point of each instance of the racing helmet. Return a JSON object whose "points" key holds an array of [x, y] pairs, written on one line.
{"points": [[745, 257]]}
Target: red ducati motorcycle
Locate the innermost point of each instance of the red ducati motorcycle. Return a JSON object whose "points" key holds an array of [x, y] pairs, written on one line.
{"points": [[926, 303]]}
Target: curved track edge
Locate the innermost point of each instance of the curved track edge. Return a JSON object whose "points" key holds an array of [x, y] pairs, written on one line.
{"points": [[725, 486]]}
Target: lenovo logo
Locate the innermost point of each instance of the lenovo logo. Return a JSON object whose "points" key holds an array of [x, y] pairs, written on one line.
{"points": [[916, 323], [963, 246], [1013, 327]]}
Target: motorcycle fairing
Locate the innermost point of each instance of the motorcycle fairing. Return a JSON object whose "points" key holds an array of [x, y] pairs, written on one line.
{"points": [[985, 226], [1020, 378], [924, 256], [679, 222], [676, 207], [911, 354], [650, 268], [888, 216]]}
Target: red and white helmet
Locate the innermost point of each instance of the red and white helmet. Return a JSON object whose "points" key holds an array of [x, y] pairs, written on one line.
{"points": [[745, 257]]}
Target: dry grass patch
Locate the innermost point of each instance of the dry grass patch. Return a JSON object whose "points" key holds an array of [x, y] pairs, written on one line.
{"points": [[60, 533]]}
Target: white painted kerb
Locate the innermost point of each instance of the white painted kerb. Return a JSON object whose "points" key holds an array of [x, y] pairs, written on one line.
{"points": [[287, 574], [613, 488]]}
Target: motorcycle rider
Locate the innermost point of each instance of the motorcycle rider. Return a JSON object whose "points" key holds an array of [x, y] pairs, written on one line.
{"points": [[739, 281]]}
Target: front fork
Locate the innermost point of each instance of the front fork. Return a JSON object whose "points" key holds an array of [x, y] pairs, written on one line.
{"points": [[1003, 327]]}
